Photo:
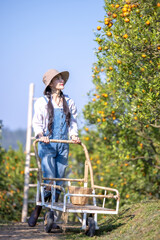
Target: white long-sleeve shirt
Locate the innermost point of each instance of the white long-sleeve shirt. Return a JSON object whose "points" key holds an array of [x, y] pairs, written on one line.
{"points": [[40, 118]]}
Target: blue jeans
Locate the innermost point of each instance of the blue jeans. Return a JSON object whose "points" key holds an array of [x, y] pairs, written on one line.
{"points": [[54, 156]]}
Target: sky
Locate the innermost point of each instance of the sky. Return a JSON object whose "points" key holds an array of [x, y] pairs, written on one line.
{"points": [[37, 35]]}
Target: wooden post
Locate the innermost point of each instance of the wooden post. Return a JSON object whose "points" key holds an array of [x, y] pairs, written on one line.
{"points": [[28, 149]]}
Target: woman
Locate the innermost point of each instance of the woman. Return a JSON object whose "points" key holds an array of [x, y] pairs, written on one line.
{"points": [[55, 117]]}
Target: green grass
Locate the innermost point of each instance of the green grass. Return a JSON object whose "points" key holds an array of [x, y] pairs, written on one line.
{"points": [[134, 222]]}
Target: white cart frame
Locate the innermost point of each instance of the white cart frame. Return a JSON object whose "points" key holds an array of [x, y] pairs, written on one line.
{"points": [[66, 206]]}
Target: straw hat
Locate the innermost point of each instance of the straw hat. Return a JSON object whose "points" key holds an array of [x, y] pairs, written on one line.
{"points": [[50, 74]]}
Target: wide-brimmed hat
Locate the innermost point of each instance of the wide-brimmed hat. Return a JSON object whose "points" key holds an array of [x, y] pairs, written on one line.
{"points": [[50, 74]]}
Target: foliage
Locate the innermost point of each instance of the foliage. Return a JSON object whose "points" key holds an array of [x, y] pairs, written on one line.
{"points": [[12, 183], [124, 107]]}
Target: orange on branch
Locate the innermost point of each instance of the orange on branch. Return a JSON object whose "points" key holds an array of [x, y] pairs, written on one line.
{"points": [[109, 34], [106, 47], [126, 20], [110, 24], [117, 6], [99, 28], [124, 9], [119, 61], [99, 48], [125, 36], [128, 1], [107, 19], [147, 22], [106, 22], [114, 15], [126, 14]]}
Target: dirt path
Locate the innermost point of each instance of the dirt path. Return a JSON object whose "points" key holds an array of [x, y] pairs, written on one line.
{"points": [[21, 231]]}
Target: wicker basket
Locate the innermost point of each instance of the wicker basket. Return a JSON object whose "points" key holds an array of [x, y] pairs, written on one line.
{"points": [[79, 190]]}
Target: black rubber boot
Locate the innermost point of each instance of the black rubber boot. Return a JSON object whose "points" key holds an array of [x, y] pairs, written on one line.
{"points": [[36, 212], [34, 216]]}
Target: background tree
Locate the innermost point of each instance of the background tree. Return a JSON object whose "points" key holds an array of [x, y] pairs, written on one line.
{"points": [[124, 107]]}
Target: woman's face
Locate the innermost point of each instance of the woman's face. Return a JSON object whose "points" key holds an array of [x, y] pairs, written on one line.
{"points": [[57, 83]]}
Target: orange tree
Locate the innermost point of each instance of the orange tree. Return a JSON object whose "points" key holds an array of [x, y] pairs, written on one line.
{"points": [[124, 107], [12, 164]]}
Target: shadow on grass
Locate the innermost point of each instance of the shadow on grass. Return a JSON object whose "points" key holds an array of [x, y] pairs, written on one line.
{"points": [[114, 222]]}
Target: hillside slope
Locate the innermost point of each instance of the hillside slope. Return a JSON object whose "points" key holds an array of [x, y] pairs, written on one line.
{"points": [[134, 222]]}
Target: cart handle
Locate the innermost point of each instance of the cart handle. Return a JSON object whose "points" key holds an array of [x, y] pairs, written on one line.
{"points": [[87, 162]]}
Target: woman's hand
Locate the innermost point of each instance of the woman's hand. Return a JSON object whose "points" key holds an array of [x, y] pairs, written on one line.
{"points": [[75, 139], [44, 139]]}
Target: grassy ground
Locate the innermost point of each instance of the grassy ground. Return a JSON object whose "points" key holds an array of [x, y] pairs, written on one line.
{"points": [[139, 221], [134, 222]]}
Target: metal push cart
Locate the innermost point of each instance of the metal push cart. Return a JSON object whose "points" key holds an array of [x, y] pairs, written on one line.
{"points": [[88, 211]]}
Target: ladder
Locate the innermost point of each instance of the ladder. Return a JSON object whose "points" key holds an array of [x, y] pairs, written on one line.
{"points": [[29, 139]]}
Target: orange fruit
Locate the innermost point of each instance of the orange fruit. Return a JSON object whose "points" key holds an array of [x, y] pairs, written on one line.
{"points": [[106, 22], [99, 28], [124, 9], [109, 34], [143, 55], [158, 4], [126, 14], [119, 61], [114, 15], [147, 22], [128, 1], [100, 48], [110, 68], [142, 69], [125, 36], [126, 20], [110, 24], [107, 19], [158, 47], [117, 6]]}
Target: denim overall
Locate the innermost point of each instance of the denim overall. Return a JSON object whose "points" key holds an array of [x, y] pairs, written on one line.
{"points": [[54, 156]]}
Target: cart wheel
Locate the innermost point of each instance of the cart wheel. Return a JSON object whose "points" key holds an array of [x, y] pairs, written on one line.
{"points": [[57, 216], [48, 221], [91, 227]]}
